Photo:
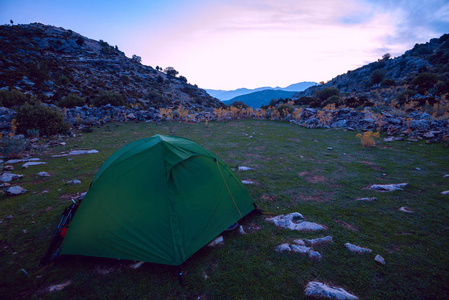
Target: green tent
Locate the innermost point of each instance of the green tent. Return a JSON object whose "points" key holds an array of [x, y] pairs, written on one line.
{"points": [[157, 200]]}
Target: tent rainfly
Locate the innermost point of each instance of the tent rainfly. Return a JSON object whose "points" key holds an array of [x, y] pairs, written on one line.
{"points": [[159, 200]]}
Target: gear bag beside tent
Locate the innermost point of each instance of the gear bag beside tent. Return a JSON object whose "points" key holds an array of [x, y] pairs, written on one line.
{"points": [[157, 200]]}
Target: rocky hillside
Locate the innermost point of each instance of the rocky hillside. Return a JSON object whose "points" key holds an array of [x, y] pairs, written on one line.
{"points": [[51, 63], [423, 69]]}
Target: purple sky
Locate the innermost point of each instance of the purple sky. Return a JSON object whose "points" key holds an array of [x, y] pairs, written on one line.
{"points": [[229, 44]]}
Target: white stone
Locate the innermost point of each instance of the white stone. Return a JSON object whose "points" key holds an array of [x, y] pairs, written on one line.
{"points": [[283, 248], [445, 193], [366, 199], [73, 182], [242, 168], [406, 209], [247, 182], [217, 241], [300, 249], [137, 265], [27, 164], [289, 221], [379, 259], [388, 187], [446, 176], [241, 230], [77, 152], [43, 174], [8, 176], [319, 289], [131, 116], [299, 242], [16, 161], [58, 287], [357, 249], [15, 190], [326, 239], [314, 254]]}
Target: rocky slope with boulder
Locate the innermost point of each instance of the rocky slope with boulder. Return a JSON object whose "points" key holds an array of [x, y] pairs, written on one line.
{"points": [[51, 63]]}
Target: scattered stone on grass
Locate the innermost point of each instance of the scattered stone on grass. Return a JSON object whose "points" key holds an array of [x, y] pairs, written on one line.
{"points": [[58, 287], [217, 241], [446, 176], [137, 265], [298, 249], [8, 168], [242, 168], [43, 174], [388, 187], [406, 209], [15, 190], [388, 139], [290, 221], [8, 176], [33, 163], [366, 199], [314, 254], [357, 249], [379, 259], [22, 160], [73, 182], [241, 230], [299, 242], [319, 289], [318, 241], [445, 193], [77, 152]]}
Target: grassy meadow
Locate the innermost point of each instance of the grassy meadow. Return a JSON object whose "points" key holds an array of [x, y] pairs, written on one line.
{"points": [[316, 172]]}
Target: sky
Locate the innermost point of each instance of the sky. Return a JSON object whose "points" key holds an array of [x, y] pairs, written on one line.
{"points": [[230, 44]]}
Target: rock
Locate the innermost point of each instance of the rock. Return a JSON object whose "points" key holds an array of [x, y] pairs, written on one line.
{"points": [[321, 290], [43, 174], [137, 265], [26, 165], [283, 248], [290, 221], [446, 176], [9, 217], [16, 161], [15, 190], [58, 287], [217, 241], [379, 259], [242, 168], [357, 249], [406, 209], [241, 230], [388, 187], [327, 239], [314, 254], [300, 249], [7, 177], [131, 116], [445, 193], [388, 139], [77, 152], [299, 242], [366, 199], [73, 182], [8, 168], [249, 181]]}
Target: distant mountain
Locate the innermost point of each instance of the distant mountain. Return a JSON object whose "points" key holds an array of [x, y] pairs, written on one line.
{"points": [[224, 95], [257, 99]]}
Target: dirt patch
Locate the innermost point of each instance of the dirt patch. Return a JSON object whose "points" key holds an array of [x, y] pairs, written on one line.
{"points": [[347, 225], [268, 197], [311, 177], [372, 165]]}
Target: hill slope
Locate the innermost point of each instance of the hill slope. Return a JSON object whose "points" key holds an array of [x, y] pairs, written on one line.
{"points": [[51, 63], [257, 99]]}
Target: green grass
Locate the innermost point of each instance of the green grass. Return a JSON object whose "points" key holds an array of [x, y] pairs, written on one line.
{"points": [[294, 171]]}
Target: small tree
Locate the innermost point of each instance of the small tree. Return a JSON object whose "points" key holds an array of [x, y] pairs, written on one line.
{"points": [[136, 59], [170, 71]]}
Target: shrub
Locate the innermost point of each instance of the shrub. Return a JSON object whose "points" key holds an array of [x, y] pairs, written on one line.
{"points": [[72, 100], [326, 92], [103, 98], [285, 109], [387, 82], [424, 82], [367, 139], [13, 146], [40, 117], [403, 96], [355, 102], [304, 101], [377, 76], [332, 100], [12, 98], [156, 98], [239, 104]]}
